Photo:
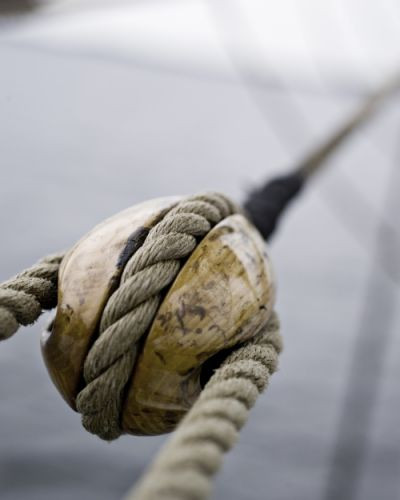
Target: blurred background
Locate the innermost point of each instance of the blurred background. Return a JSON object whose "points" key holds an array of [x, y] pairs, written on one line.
{"points": [[107, 103]]}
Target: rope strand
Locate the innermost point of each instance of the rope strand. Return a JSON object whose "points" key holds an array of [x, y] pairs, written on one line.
{"points": [[23, 297], [184, 468]]}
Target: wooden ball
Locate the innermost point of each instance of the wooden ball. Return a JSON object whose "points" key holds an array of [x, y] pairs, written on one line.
{"points": [[222, 296]]}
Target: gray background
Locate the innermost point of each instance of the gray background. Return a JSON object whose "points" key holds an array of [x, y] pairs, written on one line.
{"points": [[83, 135]]}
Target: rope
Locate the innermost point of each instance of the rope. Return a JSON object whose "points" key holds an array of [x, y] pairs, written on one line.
{"points": [[267, 203], [184, 468], [23, 297], [131, 309]]}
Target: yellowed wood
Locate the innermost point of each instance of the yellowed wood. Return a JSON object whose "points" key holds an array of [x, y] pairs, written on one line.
{"points": [[222, 296], [88, 275]]}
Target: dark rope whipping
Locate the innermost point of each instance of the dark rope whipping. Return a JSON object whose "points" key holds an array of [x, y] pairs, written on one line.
{"points": [[266, 204]]}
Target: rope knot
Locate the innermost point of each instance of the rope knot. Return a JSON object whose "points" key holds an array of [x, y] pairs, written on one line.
{"points": [[150, 302], [131, 309]]}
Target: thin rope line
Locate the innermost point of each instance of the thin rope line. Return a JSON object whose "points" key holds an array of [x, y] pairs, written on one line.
{"points": [[287, 186]]}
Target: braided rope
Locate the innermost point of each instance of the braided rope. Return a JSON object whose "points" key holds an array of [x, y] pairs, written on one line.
{"points": [[23, 297], [184, 468], [131, 309]]}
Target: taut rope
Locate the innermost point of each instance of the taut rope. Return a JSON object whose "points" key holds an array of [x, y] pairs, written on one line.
{"points": [[184, 468], [23, 297]]}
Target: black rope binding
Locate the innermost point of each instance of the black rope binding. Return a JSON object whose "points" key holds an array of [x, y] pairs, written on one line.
{"points": [[265, 205]]}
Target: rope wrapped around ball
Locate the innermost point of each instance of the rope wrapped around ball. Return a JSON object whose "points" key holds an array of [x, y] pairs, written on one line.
{"points": [[211, 426], [131, 309]]}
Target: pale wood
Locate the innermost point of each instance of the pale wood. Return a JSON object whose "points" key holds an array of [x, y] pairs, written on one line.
{"points": [[88, 274]]}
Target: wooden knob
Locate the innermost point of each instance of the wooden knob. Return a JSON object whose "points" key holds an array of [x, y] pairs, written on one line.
{"points": [[223, 295]]}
